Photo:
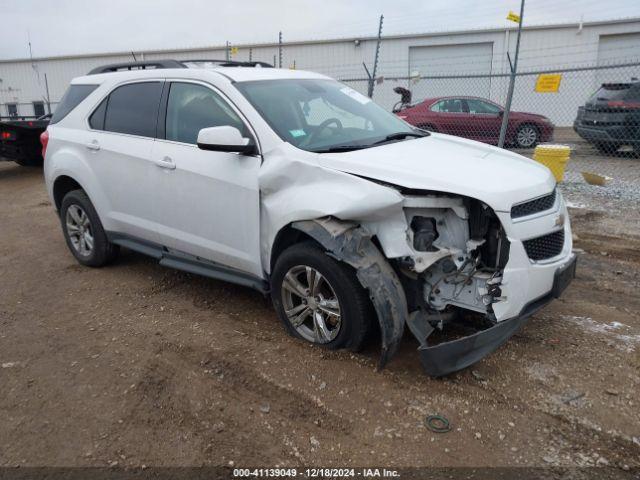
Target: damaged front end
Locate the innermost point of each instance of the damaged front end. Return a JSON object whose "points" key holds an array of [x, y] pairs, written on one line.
{"points": [[438, 268]]}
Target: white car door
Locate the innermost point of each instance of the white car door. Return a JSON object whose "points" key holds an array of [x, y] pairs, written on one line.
{"points": [[121, 136], [209, 201]]}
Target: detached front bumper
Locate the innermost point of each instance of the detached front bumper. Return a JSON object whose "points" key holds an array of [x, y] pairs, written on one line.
{"points": [[449, 357]]}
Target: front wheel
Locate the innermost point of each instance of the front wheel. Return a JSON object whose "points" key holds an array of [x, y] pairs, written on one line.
{"points": [[527, 136], [319, 299]]}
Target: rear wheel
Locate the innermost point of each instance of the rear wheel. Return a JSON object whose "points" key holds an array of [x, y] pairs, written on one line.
{"points": [[83, 231], [319, 299], [527, 136]]}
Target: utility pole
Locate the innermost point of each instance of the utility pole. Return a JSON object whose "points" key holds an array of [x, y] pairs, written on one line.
{"points": [[512, 81], [227, 51], [280, 50], [372, 77], [46, 86], [250, 54]]}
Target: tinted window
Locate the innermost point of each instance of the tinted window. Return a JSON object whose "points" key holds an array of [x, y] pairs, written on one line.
{"points": [[96, 120], [478, 106], [194, 107], [71, 99], [133, 109]]}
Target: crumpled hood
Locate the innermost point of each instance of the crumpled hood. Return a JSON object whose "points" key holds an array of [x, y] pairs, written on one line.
{"points": [[449, 164]]}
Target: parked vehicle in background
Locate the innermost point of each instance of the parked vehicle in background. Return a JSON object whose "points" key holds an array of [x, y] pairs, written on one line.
{"points": [[296, 185], [474, 118], [20, 140], [611, 117]]}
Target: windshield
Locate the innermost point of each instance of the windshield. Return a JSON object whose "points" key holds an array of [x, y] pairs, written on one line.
{"points": [[323, 115]]}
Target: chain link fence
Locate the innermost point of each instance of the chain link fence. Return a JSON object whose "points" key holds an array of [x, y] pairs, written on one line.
{"points": [[595, 110]]}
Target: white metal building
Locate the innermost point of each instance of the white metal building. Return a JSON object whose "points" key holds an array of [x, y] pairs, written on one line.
{"points": [[450, 54]]}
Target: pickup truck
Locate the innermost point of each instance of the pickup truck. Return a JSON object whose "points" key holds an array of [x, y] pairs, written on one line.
{"points": [[20, 139]]}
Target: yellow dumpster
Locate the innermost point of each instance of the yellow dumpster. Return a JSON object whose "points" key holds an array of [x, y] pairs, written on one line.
{"points": [[554, 157]]}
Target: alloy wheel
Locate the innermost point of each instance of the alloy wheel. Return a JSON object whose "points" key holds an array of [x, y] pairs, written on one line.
{"points": [[79, 230], [527, 136], [311, 304]]}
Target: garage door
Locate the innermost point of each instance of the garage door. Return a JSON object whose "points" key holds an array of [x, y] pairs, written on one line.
{"points": [[617, 49], [459, 59]]}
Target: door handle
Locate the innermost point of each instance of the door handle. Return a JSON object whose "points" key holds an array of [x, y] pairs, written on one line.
{"points": [[165, 162], [93, 145]]}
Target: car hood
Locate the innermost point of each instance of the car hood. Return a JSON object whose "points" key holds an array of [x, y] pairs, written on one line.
{"points": [[449, 164]]}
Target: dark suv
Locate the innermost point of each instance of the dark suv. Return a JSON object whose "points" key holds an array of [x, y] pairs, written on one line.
{"points": [[611, 117]]}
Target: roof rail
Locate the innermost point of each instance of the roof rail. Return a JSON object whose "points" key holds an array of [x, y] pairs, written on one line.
{"points": [[228, 63], [114, 67]]}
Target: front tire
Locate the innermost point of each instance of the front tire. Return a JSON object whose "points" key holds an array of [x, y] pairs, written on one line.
{"points": [[527, 136], [319, 299], [83, 231]]}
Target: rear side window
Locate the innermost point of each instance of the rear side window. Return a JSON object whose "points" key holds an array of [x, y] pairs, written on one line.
{"points": [[133, 109], [71, 99], [96, 120]]}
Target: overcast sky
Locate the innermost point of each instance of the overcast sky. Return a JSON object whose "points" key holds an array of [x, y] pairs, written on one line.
{"points": [[63, 27]]}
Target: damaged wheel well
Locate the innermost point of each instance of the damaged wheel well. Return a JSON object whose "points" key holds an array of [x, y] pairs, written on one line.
{"points": [[285, 238]]}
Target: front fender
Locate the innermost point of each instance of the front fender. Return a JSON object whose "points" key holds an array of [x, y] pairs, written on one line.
{"points": [[353, 245]]}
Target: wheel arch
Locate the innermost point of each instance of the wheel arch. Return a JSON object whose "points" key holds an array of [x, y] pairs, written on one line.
{"points": [[62, 185], [285, 238]]}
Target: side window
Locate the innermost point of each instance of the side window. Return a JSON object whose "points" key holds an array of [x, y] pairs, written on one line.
{"points": [[192, 107], [452, 105], [478, 106], [74, 95], [38, 109], [133, 109], [96, 120], [12, 109]]}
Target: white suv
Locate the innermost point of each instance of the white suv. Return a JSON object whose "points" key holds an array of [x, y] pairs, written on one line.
{"points": [[295, 184]]}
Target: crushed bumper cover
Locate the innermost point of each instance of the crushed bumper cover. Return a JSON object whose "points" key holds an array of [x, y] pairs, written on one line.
{"points": [[449, 357]]}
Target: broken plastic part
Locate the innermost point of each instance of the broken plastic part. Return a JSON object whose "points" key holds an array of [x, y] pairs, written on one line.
{"points": [[353, 245]]}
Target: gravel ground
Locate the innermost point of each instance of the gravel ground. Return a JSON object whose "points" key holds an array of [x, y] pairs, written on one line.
{"points": [[137, 364]]}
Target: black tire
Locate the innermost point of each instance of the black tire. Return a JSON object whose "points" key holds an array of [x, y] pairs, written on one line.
{"points": [[102, 251], [531, 142], [356, 309]]}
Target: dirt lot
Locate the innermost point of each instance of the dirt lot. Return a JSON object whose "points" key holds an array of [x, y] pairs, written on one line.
{"points": [[138, 364]]}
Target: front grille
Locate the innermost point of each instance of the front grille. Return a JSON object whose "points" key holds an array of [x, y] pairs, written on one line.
{"points": [[546, 246], [534, 206]]}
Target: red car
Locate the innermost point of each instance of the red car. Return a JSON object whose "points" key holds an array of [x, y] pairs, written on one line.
{"points": [[475, 118]]}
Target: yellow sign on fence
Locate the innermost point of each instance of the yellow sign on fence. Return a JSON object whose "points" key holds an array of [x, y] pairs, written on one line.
{"points": [[514, 17], [234, 50], [548, 82]]}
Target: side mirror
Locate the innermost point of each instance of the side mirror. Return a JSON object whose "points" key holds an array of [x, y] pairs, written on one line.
{"points": [[225, 139]]}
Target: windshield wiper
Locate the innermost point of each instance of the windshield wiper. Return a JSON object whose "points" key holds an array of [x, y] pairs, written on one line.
{"points": [[341, 148], [400, 136]]}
